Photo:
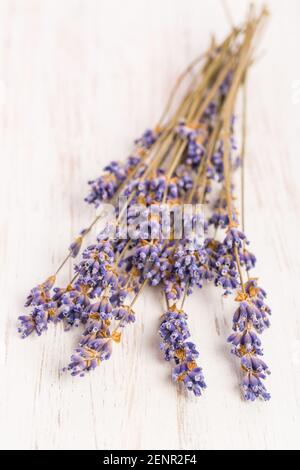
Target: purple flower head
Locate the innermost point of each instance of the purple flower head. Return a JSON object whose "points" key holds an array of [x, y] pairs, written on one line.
{"points": [[254, 291], [106, 186], [148, 138], [58, 293], [245, 342], [103, 189], [73, 306], [189, 264], [234, 238], [174, 332], [118, 297], [124, 314], [26, 325], [149, 261], [195, 150], [152, 190], [219, 219], [75, 246], [96, 261], [89, 356], [248, 321], [41, 293], [196, 136], [190, 376], [101, 309], [37, 321], [249, 313], [173, 289], [247, 259], [252, 388], [217, 166], [95, 328], [226, 274], [183, 180], [255, 365]]}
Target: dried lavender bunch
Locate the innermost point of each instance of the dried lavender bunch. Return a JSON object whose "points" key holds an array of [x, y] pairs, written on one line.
{"points": [[177, 163]]}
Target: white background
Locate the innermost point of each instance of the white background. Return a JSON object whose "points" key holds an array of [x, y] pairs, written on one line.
{"points": [[79, 80]]}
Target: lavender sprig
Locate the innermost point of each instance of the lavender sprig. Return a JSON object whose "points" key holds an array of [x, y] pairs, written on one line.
{"points": [[250, 320], [174, 332]]}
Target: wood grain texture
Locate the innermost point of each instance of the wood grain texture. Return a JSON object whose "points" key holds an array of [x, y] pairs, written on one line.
{"points": [[79, 80]]}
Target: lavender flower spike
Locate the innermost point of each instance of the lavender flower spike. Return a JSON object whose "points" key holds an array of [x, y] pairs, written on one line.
{"points": [[174, 333], [249, 320], [75, 246]]}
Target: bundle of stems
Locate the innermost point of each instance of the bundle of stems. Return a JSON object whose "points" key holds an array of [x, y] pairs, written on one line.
{"points": [[187, 160]]}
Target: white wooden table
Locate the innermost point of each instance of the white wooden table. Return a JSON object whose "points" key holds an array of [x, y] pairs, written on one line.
{"points": [[78, 82]]}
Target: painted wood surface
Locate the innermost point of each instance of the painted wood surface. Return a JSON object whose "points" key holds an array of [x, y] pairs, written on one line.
{"points": [[79, 80]]}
